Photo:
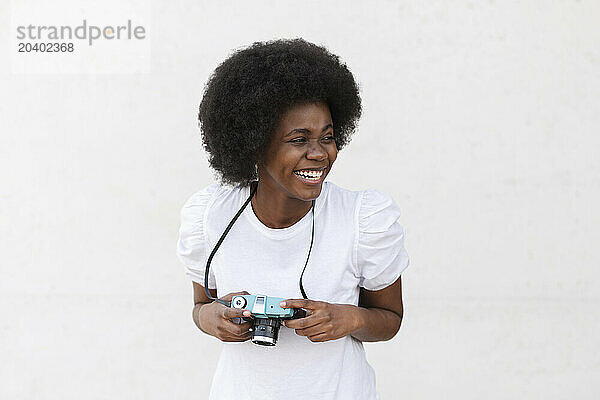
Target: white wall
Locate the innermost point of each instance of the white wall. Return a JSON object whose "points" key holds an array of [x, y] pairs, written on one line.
{"points": [[481, 119]]}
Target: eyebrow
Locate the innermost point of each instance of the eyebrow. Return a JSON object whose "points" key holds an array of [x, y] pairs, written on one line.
{"points": [[306, 130]]}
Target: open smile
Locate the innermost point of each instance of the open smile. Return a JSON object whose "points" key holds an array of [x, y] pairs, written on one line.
{"points": [[311, 176]]}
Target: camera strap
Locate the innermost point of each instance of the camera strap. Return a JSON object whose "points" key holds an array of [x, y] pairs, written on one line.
{"points": [[212, 254]]}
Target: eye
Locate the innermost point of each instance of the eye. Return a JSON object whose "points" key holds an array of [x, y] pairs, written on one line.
{"points": [[328, 138], [298, 140]]}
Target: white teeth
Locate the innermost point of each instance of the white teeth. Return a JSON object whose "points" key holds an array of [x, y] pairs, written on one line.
{"points": [[307, 174]]}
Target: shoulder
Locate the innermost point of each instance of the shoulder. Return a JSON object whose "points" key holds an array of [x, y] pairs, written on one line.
{"points": [[204, 195], [201, 201], [368, 205], [194, 210], [377, 210], [192, 244], [208, 209], [341, 197], [380, 254]]}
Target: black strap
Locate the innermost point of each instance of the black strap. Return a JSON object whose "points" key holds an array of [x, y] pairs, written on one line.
{"points": [[312, 236], [212, 254]]}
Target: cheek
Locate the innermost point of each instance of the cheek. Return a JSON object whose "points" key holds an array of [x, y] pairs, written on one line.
{"points": [[332, 154], [287, 161]]}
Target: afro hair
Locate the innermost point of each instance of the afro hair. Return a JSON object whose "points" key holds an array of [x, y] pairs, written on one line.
{"points": [[249, 92]]}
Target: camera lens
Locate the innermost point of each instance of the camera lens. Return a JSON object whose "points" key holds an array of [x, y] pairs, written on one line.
{"points": [[266, 331]]}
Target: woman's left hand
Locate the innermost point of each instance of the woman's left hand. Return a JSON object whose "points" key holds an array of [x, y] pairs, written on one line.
{"points": [[325, 321]]}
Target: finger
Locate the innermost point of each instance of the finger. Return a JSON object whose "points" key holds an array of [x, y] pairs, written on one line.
{"points": [[301, 303], [303, 323], [229, 313], [322, 337], [236, 330], [314, 330], [229, 296], [241, 338], [239, 321]]}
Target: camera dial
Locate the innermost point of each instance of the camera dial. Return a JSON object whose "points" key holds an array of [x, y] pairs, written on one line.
{"points": [[238, 302]]}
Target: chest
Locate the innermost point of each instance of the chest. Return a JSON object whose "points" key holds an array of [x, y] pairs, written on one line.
{"points": [[247, 260]]}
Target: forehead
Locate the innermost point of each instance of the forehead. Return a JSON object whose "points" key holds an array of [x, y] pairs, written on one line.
{"points": [[312, 116]]}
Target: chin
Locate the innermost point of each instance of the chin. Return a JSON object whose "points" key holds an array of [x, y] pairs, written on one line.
{"points": [[307, 193]]}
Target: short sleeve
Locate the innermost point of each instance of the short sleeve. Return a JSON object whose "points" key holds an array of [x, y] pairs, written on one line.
{"points": [[380, 253], [192, 245]]}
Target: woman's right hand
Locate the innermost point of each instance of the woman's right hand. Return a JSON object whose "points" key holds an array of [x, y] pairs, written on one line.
{"points": [[216, 320]]}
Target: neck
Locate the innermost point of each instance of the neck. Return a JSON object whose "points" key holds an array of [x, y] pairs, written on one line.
{"points": [[275, 209]]}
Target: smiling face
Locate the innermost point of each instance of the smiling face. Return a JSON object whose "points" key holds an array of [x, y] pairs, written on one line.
{"points": [[300, 154]]}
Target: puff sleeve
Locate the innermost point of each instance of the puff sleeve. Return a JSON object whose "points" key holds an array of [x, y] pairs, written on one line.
{"points": [[192, 245], [380, 253]]}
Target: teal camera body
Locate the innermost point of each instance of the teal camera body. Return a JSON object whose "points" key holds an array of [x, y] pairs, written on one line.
{"points": [[266, 315], [262, 306]]}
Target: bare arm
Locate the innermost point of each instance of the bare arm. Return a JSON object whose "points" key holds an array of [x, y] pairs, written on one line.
{"points": [[216, 320], [380, 313], [200, 299], [377, 318]]}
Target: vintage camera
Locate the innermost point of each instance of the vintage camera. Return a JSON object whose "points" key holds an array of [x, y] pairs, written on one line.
{"points": [[266, 316]]}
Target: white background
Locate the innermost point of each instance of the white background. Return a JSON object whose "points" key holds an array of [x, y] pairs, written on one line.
{"points": [[481, 119]]}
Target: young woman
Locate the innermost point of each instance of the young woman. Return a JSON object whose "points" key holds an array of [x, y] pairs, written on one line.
{"points": [[273, 118]]}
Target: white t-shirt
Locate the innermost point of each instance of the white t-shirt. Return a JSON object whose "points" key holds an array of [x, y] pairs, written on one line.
{"points": [[357, 243]]}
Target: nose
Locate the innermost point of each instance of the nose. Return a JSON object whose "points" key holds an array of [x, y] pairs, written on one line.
{"points": [[316, 152]]}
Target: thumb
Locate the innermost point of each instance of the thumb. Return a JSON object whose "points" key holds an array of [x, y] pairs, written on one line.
{"points": [[229, 296]]}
